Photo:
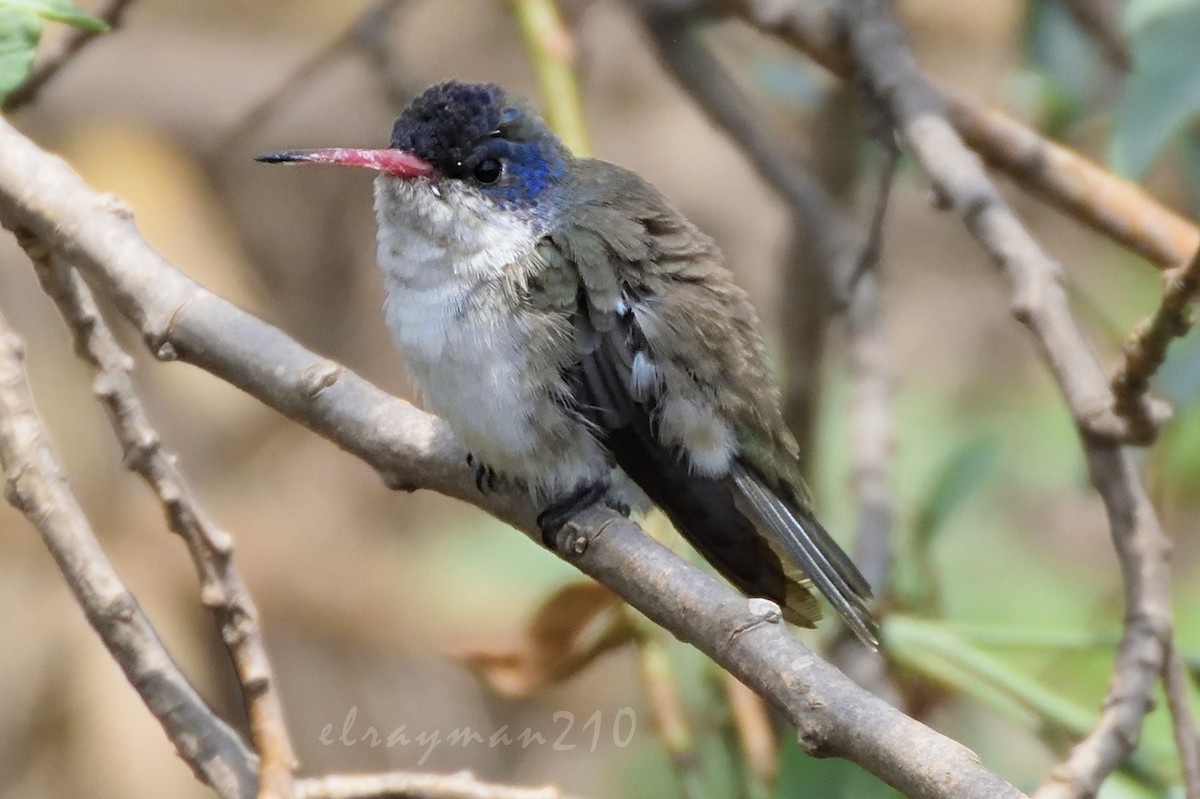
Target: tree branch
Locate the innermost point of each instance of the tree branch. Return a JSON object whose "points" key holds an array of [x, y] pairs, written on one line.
{"points": [[36, 485], [1075, 185], [1183, 722], [461, 785], [1052, 172], [1146, 347], [411, 449], [222, 589], [886, 64]]}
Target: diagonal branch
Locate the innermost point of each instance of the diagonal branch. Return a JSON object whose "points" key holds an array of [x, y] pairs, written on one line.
{"points": [[1146, 347], [1108, 204], [222, 589], [1183, 722], [411, 449], [887, 66], [958, 177], [1050, 171], [36, 485]]}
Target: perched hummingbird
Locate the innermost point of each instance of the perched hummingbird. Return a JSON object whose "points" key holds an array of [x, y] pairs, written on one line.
{"points": [[581, 337]]}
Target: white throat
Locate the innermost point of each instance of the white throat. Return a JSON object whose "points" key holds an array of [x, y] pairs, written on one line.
{"points": [[437, 234]]}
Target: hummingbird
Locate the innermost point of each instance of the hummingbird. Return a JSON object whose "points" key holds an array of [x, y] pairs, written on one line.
{"points": [[584, 340]]}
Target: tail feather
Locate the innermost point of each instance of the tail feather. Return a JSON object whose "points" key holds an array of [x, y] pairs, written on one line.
{"points": [[819, 557], [761, 543]]}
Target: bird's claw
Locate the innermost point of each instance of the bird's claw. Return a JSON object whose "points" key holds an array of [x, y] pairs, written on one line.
{"points": [[552, 519], [486, 478]]}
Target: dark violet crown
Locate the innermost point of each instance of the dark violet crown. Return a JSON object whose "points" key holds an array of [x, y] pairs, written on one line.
{"points": [[445, 124], [479, 133]]}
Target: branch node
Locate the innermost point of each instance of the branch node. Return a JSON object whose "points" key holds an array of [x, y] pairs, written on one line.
{"points": [[762, 611], [256, 685], [140, 449], [122, 607], [161, 348], [575, 537], [319, 376], [213, 595], [220, 542], [114, 205]]}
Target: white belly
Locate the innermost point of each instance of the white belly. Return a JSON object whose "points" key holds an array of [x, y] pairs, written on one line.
{"points": [[468, 368], [477, 358]]}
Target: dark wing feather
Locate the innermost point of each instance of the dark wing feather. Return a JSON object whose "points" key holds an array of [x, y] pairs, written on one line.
{"points": [[703, 509], [649, 283]]}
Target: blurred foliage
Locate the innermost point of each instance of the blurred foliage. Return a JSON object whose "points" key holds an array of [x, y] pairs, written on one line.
{"points": [[1063, 74], [21, 30], [1163, 91], [801, 775]]}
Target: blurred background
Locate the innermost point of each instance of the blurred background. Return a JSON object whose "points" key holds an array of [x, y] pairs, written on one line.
{"points": [[373, 601]]}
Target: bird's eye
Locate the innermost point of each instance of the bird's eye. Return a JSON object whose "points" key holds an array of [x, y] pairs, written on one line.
{"points": [[488, 170]]}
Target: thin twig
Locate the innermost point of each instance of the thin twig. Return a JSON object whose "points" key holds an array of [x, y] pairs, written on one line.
{"points": [[873, 437], [370, 37], [759, 744], [461, 785], [1146, 347], [1056, 174], [1108, 204], [222, 589], [1039, 300], [887, 66], [37, 486], [1142, 551], [411, 449], [551, 50], [112, 12], [1183, 723], [666, 711], [868, 259], [678, 43]]}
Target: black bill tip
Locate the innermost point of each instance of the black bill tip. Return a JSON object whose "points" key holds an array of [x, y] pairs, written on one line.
{"points": [[281, 156]]}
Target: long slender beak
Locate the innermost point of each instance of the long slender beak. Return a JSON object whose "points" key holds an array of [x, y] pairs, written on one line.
{"points": [[390, 162]]}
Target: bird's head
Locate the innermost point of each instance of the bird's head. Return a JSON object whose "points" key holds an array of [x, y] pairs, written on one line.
{"points": [[471, 148]]}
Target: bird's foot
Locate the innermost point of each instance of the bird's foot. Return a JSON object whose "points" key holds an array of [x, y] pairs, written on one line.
{"points": [[556, 514], [486, 479]]}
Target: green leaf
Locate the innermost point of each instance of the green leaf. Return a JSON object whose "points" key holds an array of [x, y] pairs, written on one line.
{"points": [[64, 11], [21, 29], [1065, 74], [19, 34], [1163, 91], [937, 651]]}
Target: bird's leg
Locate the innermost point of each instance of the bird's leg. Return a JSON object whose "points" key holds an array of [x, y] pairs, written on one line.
{"points": [[560, 512]]}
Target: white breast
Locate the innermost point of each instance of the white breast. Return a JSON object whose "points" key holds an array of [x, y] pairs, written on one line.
{"points": [[443, 261], [451, 264]]}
